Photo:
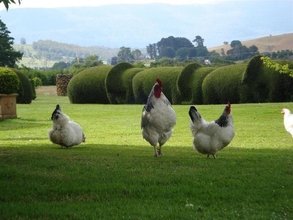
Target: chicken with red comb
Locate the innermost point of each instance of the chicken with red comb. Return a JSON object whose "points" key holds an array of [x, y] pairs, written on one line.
{"points": [[211, 137], [158, 118]]}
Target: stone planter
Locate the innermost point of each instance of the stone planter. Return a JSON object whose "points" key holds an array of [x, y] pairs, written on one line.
{"points": [[8, 105]]}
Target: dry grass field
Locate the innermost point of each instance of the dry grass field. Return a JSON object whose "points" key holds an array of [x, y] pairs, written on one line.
{"points": [[264, 44], [46, 90]]}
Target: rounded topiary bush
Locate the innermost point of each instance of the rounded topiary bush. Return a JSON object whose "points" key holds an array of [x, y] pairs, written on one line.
{"points": [[223, 84], [190, 81], [25, 91], [88, 86], [264, 84], [143, 82], [119, 83], [9, 81]]}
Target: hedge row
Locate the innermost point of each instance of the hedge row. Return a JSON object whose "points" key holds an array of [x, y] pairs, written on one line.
{"points": [[143, 82], [88, 86], [263, 84], [223, 84], [193, 84], [119, 83], [189, 83]]}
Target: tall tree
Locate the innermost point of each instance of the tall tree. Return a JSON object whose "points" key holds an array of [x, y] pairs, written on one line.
{"points": [[8, 2], [236, 43], [199, 41], [152, 50], [8, 56], [92, 60], [124, 55], [167, 52], [136, 54], [165, 45]]}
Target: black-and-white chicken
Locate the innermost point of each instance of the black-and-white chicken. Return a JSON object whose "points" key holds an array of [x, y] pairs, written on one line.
{"points": [[65, 132], [158, 118], [210, 137]]}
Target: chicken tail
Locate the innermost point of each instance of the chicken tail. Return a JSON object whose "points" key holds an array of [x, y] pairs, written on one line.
{"points": [[194, 114], [196, 120]]}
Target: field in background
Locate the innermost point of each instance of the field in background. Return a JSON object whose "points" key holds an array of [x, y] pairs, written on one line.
{"points": [[113, 175], [46, 90], [264, 44]]}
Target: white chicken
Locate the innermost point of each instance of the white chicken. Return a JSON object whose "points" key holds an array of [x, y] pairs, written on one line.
{"points": [[288, 120], [158, 118], [65, 132], [210, 137]]}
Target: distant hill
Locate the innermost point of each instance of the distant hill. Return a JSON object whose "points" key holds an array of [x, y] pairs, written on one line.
{"points": [[33, 59], [138, 25], [53, 52], [264, 44]]}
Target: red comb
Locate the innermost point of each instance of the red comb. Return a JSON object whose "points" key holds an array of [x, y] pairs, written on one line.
{"points": [[159, 81]]}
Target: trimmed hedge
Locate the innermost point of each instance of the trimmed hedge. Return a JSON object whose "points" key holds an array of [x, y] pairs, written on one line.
{"points": [[88, 86], [190, 81], [25, 91], [263, 84], [143, 82], [9, 81], [223, 84], [119, 83], [33, 88]]}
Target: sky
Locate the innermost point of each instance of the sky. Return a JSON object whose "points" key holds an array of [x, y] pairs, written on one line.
{"points": [[231, 15], [78, 3]]}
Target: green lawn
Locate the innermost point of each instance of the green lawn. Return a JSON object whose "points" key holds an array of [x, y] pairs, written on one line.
{"points": [[113, 175]]}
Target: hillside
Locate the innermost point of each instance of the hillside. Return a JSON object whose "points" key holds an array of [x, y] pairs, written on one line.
{"points": [[33, 59], [264, 44], [61, 52]]}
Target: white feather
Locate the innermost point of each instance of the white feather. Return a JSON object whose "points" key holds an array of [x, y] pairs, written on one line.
{"points": [[288, 120]]}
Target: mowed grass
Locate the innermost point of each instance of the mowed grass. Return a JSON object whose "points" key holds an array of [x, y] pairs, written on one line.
{"points": [[113, 175]]}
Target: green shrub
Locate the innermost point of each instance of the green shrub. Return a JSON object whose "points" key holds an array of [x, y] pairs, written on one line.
{"points": [[33, 88], [9, 81], [253, 88], [119, 83], [190, 81], [88, 86], [184, 85], [25, 91], [264, 84], [223, 84], [143, 82]]}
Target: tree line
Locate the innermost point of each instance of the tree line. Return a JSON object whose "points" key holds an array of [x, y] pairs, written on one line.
{"points": [[167, 52], [181, 49]]}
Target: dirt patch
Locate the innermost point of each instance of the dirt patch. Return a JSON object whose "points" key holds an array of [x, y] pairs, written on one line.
{"points": [[46, 90]]}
